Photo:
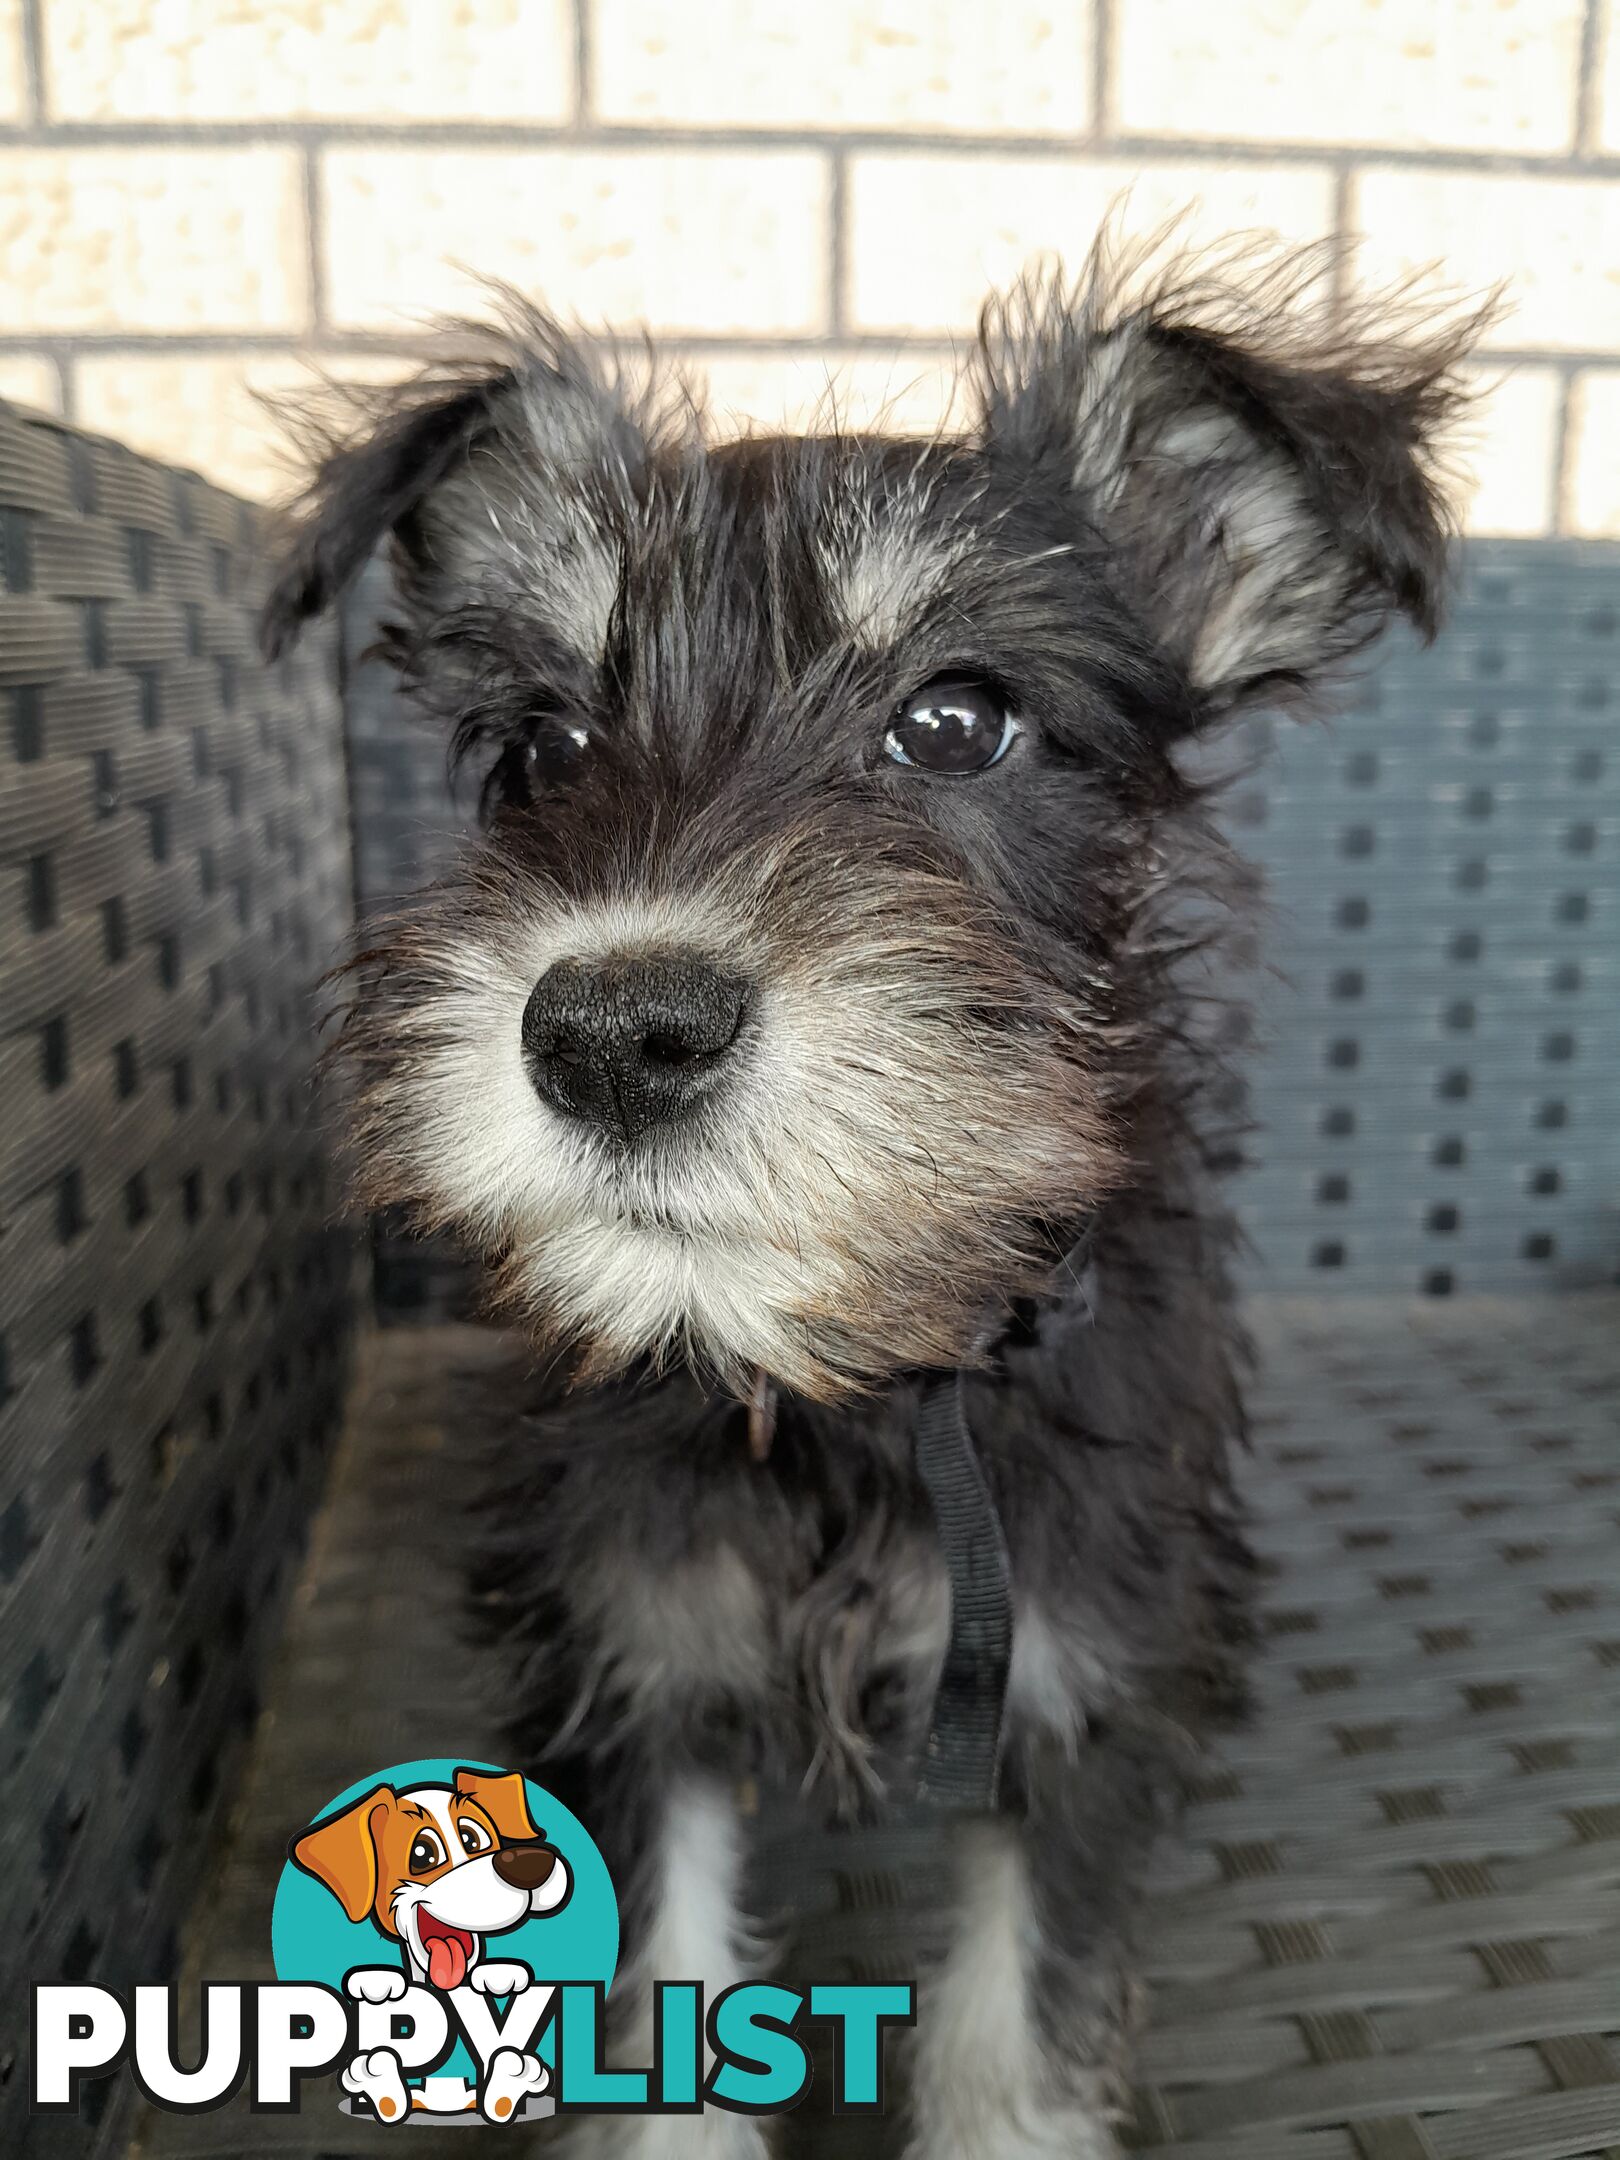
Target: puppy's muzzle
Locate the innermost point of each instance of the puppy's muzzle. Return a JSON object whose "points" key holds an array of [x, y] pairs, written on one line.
{"points": [[627, 1042]]}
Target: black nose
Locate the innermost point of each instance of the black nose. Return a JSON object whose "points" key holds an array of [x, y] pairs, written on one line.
{"points": [[627, 1043]]}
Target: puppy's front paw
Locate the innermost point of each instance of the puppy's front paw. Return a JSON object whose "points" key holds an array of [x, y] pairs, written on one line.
{"points": [[376, 2077], [500, 1978], [512, 2077], [376, 1984]]}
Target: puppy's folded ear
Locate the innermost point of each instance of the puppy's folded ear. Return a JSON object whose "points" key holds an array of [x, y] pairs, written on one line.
{"points": [[505, 456], [1261, 467], [341, 1852], [365, 488], [504, 1800]]}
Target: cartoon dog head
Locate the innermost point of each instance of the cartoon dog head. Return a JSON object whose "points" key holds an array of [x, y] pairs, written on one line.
{"points": [[439, 1867]]}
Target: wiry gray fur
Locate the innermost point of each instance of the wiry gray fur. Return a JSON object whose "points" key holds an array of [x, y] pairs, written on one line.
{"points": [[971, 1033]]}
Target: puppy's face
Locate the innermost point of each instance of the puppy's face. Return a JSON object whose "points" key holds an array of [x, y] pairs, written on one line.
{"points": [[805, 990], [438, 1868]]}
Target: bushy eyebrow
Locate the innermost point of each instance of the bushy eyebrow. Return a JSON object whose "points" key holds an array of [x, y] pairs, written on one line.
{"points": [[409, 1807]]}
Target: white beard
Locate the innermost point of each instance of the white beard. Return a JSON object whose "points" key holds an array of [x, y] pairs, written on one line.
{"points": [[868, 1131]]}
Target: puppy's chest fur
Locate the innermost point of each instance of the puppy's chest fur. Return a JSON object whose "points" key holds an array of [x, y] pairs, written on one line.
{"points": [[668, 1581]]}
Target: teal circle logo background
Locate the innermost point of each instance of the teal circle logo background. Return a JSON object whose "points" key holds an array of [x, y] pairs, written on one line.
{"points": [[312, 1938]]}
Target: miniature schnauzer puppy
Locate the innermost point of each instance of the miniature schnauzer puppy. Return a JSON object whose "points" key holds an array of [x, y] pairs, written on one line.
{"points": [[827, 966]]}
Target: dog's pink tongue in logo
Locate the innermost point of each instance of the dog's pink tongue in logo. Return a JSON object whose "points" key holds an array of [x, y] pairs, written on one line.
{"points": [[448, 1951]]}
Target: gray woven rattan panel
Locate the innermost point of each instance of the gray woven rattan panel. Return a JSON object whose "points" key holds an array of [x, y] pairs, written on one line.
{"points": [[173, 1302], [1435, 1087], [1391, 1930], [1435, 1049]]}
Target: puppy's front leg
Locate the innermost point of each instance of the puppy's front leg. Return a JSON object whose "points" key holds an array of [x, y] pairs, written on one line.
{"points": [[689, 1924], [1014, 2035]]}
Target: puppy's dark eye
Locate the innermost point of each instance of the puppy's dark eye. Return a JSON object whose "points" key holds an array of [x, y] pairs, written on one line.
{"points": [[953, 724], [550, 754], [556, 749], [474, 1837], [427, 1852]]}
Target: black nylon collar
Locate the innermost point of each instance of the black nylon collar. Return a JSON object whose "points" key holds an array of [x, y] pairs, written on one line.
{"points": [[961, 1759]]}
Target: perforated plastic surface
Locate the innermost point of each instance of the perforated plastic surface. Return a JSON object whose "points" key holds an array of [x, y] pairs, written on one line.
{"points": [[173, 1300], [1436, 1054]]}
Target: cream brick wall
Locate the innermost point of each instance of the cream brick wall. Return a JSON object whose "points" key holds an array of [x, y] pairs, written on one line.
{"points": [[1510, 451], [910, 390], [1595, 437], [970, 225], [198, 196], [1020, 67], [1418, 74], [30, 380], [1556, 243], [1606, 90], [213, 411], [470, 61], [13, 74], [120, 239], [702, 240]]}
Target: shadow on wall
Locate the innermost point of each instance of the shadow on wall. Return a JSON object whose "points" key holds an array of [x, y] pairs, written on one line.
{"points": [[1433, 1061]]}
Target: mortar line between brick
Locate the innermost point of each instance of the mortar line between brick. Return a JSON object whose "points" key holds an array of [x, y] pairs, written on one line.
{"points": [[1586, 77], [315, 238], [66, 379], [607, 135], [1102, 70], [1563, 459], [33, 44], [336, 341], [584, 64], [1343, 239], [838, 245]]}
